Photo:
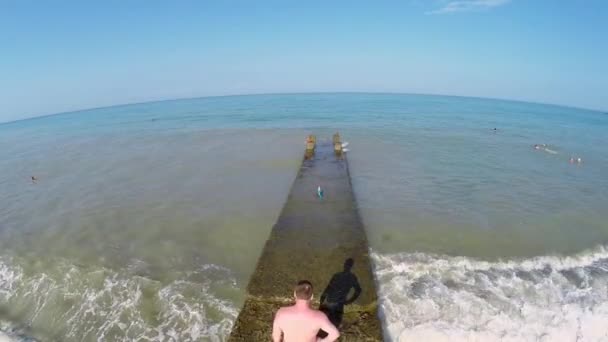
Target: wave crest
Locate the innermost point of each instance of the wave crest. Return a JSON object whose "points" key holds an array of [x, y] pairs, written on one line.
{"points": [[547, 298]]}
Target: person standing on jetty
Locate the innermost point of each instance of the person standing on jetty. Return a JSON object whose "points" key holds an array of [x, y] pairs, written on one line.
{"points": [[301, 323]]}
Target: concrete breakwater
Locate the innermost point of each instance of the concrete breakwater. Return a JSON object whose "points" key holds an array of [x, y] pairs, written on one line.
{"points": [[321, 239]]}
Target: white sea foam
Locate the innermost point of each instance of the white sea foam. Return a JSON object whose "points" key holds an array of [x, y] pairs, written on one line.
{"points": [[422, 297], [439, 298], [11, 333], [106, 305]]}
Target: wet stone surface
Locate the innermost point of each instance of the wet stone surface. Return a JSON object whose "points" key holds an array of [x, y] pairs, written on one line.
{"points": [[323, 241]]}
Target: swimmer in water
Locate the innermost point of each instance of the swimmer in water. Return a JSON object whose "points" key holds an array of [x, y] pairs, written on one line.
{"points": [[574, 160], [550, 151], [34, 179], [545, 148]]}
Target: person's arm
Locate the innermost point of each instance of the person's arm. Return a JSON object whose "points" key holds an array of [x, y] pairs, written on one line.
{"points": [[277, 333], [355, 285], [329, 328], [324, 294]]}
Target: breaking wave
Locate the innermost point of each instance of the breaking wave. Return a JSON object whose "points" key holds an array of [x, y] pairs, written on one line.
{"points": [[439, 298], [71, 303], [422, 297]]}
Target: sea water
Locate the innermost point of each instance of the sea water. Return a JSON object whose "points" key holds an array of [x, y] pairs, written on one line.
{"points": [[145, 221]]}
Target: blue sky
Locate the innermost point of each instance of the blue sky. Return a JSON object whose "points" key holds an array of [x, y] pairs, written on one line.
{"points": [[61, 56]]}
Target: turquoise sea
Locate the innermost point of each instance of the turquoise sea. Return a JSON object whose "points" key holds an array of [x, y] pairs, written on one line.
{"points": [[146, 220]]}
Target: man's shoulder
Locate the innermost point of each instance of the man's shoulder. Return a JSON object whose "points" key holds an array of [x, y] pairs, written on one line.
{"points": [[284, 310], [311, 313], [320, 315]]}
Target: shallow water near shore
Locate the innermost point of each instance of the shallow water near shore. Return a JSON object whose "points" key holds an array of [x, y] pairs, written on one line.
{"points": [[146, 220]]}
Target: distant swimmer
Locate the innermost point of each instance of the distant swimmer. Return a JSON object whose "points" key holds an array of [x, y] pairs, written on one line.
{"points": [[575, 160], [544, 147], [320, 192], [34, 179], [548, 150], [300, 322]]}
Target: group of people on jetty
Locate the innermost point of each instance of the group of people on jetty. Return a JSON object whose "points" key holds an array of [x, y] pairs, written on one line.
{"points": [[300, 322]]}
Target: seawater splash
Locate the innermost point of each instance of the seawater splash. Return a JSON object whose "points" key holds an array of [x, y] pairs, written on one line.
{"points": [[10, 333], [72, 303], [439, 298]]}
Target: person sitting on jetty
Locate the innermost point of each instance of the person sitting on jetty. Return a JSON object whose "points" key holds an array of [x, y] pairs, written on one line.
{"points": [[300, 322]]}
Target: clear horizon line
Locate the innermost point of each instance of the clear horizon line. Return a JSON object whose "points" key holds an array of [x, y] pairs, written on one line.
{"points": [[601, 111]]}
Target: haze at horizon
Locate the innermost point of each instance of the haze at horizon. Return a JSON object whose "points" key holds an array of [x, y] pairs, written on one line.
{"points": [[72, 56]]}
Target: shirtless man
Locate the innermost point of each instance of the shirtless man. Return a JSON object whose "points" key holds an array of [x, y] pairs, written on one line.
{"points": [[301, 323]]}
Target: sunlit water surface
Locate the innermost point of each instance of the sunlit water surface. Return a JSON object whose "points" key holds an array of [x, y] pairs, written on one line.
{"points": [[147, 220]]}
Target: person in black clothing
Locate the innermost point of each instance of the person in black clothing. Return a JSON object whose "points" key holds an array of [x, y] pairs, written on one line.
{"points": [[336, 293]]}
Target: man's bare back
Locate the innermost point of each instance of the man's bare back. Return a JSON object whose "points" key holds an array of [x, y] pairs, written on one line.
{"points": [[300, 323]]}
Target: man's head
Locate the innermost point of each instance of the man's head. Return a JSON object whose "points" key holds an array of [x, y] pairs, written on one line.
{"points": [[303, 290], [348, 264]]}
